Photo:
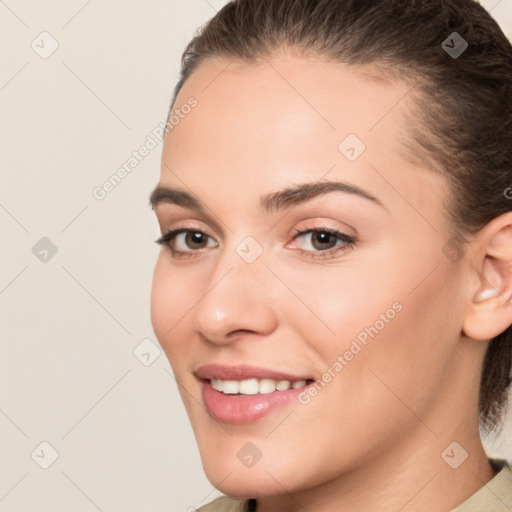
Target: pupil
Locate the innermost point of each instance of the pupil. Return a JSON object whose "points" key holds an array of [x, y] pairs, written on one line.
{"points": [[196, 238], [323, 238]]}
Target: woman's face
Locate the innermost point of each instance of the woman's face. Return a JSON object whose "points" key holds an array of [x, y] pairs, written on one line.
{"points": [[372, 314]]}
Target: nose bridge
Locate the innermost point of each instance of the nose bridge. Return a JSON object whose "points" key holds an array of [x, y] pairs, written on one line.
{"points": [[235, 297]]}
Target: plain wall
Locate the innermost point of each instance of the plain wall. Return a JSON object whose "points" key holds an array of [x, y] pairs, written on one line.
{"points": [[70, 321]]}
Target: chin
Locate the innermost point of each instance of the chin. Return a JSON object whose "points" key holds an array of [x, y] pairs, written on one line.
{"points": [[244, 484], [263, 479]]}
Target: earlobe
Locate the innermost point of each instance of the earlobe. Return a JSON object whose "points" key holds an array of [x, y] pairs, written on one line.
{"points": [[490, 312]]}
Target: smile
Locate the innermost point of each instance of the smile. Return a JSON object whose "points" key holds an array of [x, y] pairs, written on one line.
{"points": [[255, 386]]}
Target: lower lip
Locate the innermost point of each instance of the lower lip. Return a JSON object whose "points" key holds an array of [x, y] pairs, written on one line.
{"points": [[242, 409]]}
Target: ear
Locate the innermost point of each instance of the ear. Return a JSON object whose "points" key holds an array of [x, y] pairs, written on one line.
{"points": [[490, 311]]}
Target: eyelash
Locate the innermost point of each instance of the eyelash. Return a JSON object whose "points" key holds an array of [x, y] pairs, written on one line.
{"points": [[348, 242]]}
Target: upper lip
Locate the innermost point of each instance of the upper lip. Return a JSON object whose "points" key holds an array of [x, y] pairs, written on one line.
{"points": [[242, 372]]}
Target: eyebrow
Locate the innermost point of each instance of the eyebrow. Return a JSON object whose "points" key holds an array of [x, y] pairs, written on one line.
{"points": [[275, 201]]}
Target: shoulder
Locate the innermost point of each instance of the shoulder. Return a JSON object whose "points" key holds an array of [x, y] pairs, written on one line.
{"points": [[224, 504], [496, 495], [501, 487]]}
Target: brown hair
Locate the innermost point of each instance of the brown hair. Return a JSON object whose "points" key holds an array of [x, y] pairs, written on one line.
{"points": [[464, 102]]}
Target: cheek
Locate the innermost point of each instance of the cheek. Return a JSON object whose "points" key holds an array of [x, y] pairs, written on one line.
{"points": [[334, 304], [404, 358], [171, 298], [398, 320], [161, 308], [416, 351]]}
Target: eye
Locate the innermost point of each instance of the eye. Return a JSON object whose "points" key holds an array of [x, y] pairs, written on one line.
{"points": [[180, 240], [322, 243]]}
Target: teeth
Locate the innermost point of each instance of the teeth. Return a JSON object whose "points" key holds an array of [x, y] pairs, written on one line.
{"points": [[230, 387], [283, 385], [254, 386], [248, 387], [216, 384], [267, 386]]}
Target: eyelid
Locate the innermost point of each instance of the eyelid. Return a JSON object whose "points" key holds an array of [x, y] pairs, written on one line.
{"points": [[171, 234], [348, 242], [173, 213], [326, 222], [190, 227]]}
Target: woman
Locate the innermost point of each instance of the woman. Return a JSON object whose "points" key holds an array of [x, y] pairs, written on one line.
{"points": [[332, 292]]}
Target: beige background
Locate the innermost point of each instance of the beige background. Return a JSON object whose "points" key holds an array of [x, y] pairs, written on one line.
{"points": [[70, 323]]}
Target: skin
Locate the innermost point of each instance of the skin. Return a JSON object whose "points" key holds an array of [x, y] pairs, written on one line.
{"points": [[372, 439]]}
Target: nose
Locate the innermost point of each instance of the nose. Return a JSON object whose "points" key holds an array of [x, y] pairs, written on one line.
{"points": [[238, 298]]}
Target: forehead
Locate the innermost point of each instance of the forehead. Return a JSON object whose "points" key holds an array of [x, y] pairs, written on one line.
{"points": [[290, 119], [293, 98]]}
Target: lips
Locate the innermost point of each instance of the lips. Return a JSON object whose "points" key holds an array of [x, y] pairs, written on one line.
{"points": [[243, 372], [228, 406]]}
